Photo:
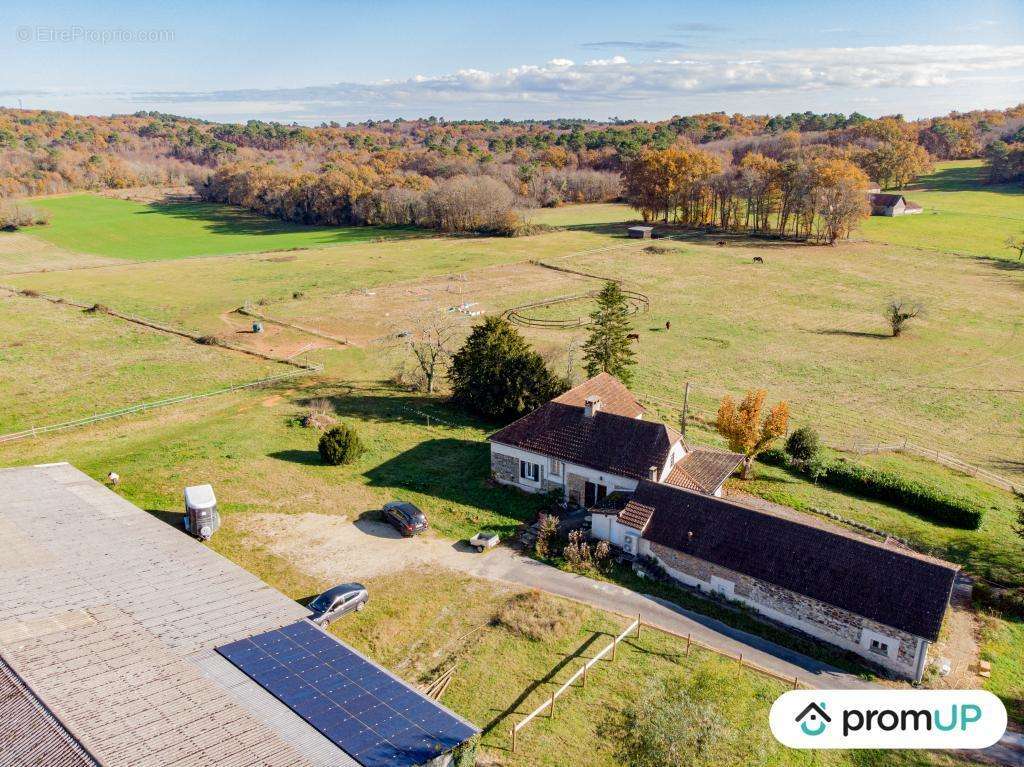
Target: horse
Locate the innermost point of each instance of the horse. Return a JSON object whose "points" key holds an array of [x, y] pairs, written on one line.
{"points": [[633, 337], [758, 260]]}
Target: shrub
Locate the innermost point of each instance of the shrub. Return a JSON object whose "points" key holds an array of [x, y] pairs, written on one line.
{"points": [[926, 501], [340, 444], [1007, 601], [537, 617], [208, 340], [547, 529], [803, 444], [14, 216], [899, 312]]}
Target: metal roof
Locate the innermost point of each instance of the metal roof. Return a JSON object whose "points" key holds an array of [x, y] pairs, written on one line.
{"points": [[109, 615]]}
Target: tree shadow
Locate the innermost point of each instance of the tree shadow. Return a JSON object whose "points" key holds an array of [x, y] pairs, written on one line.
{"points": [[1002, 264], [456, 470], [304, 457], [852, 333], [548, 677], [970, 179], [230, 220], [399, 408]]}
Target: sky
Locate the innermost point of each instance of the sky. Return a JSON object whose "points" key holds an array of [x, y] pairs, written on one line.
{"points": [[312, 62]]}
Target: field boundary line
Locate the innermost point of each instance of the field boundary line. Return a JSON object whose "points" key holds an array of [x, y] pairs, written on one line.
{"points": [[301, 328], [144, 406], [154, 325]]}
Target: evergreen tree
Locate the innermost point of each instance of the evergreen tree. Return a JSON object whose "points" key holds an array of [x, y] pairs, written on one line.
{"points": [[497, 375], [608, 350]]}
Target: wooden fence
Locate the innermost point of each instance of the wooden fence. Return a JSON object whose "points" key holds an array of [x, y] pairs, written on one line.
{"points": [[932, 454], [142, 407], [638, 304], [580, 674]]}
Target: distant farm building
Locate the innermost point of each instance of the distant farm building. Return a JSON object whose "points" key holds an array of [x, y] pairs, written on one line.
{"points": [[641, 232], [892, 205]]}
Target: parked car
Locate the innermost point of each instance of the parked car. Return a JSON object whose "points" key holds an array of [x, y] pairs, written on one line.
{"points": [[405, 517], [337, 601]]}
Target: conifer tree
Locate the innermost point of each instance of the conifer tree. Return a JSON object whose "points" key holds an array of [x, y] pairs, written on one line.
{"points": [[607, 350]]}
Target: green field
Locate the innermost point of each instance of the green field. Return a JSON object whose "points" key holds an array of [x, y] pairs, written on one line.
{"points": [[806, 325], [136, 231], [961, 214]]}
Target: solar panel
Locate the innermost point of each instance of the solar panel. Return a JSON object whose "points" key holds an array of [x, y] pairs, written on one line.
{"points": [[375, 717]]}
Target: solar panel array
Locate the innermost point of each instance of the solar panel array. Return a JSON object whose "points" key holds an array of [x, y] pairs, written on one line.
{"points": [[374, 717]]}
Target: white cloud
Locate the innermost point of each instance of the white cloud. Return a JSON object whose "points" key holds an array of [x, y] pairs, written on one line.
{"points": [[561, 86]]}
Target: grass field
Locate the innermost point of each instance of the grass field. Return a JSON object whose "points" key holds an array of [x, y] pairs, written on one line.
{"points": [[102, 364], [807, 325], [136, 231], [961, 214]]}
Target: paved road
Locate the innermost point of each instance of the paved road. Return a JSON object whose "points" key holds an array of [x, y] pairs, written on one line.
{"points": [[505, 565]]}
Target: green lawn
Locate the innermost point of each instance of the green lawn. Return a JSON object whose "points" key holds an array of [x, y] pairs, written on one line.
{"points": [[137, 231], [59, 363], [993, 551], [1003, 646], [961, 214]]}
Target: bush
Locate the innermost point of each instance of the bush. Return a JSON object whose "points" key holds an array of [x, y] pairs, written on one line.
{"points": [[340, 444], [803, 444], [931, 503], [14, 216], [537, 617], [1007, 601]]}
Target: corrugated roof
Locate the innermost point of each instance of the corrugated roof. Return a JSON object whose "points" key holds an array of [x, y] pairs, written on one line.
{"points": [[104, 610], [29, 733], [892, 587]]}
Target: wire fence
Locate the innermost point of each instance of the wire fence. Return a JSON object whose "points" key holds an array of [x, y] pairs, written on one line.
{"points": [[35, 431]]}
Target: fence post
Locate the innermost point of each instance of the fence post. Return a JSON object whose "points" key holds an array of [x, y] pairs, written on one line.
{"points": [[584, 674], [614, 645], [796, 682], [687, 644], [552, 715], [638, 623], [740, 659], [513, 739]]}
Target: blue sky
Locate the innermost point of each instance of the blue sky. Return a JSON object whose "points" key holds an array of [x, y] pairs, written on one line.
{"points": [[316, 61]]}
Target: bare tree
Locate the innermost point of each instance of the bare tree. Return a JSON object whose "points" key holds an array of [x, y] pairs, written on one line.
{"points": [[431, 345], [899, 312], [1017, 244]]}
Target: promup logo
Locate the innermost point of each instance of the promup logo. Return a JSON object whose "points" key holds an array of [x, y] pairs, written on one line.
{"points": [[888, 719], [813, 720]]}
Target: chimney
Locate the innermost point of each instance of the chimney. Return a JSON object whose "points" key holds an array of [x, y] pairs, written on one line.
{"points": [[652, 474], [591, 405]]}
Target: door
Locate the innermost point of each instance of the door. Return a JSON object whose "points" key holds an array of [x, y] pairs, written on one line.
{"points": [[593, 493]]}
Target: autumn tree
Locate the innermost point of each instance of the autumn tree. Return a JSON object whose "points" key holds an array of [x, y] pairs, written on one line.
{"points": [[747, 430], [894, 164], [840, 197], [608, 350]]}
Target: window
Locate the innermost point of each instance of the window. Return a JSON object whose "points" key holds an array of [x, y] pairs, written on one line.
{"points": [[880, 648], [555, 468], [529, 471]]}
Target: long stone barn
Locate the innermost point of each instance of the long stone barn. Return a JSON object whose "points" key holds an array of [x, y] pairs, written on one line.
{"points": [[878, 600]]}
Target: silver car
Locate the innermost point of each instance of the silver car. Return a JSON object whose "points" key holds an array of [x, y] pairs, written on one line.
{"points": [[337, 601]]}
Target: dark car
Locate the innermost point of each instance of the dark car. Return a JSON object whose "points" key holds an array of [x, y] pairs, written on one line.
{"points": [[405, 517], [337, 601]]}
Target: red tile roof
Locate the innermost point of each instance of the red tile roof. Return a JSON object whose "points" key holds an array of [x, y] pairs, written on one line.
{"points": [[703, 469], [615, 397]]}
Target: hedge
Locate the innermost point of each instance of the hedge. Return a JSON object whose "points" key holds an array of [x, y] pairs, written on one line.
{"points": [[910, 495], [1006, 601]]}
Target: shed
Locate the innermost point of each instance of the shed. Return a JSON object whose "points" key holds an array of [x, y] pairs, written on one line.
{"points": [[641, 232], [892, 205]]}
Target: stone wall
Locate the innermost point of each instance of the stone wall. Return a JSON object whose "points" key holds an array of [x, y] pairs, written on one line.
{"points": [[504, 468], [840, 627], [575, 485]]}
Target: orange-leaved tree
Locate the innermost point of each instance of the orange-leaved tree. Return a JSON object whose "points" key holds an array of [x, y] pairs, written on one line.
{"points": [[746, 429]]}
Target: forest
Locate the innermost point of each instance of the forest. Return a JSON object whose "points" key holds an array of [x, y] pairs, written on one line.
{"points": [[801, 176]]}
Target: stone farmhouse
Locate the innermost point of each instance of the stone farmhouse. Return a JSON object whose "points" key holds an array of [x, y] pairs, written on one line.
{"points": [[878, 600]]}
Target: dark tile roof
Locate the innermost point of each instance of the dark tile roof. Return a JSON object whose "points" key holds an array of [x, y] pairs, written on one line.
{"points": [[612, 443], [615, 397], [895, 588], [885, 200], [703, 469], [29, 734]]}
